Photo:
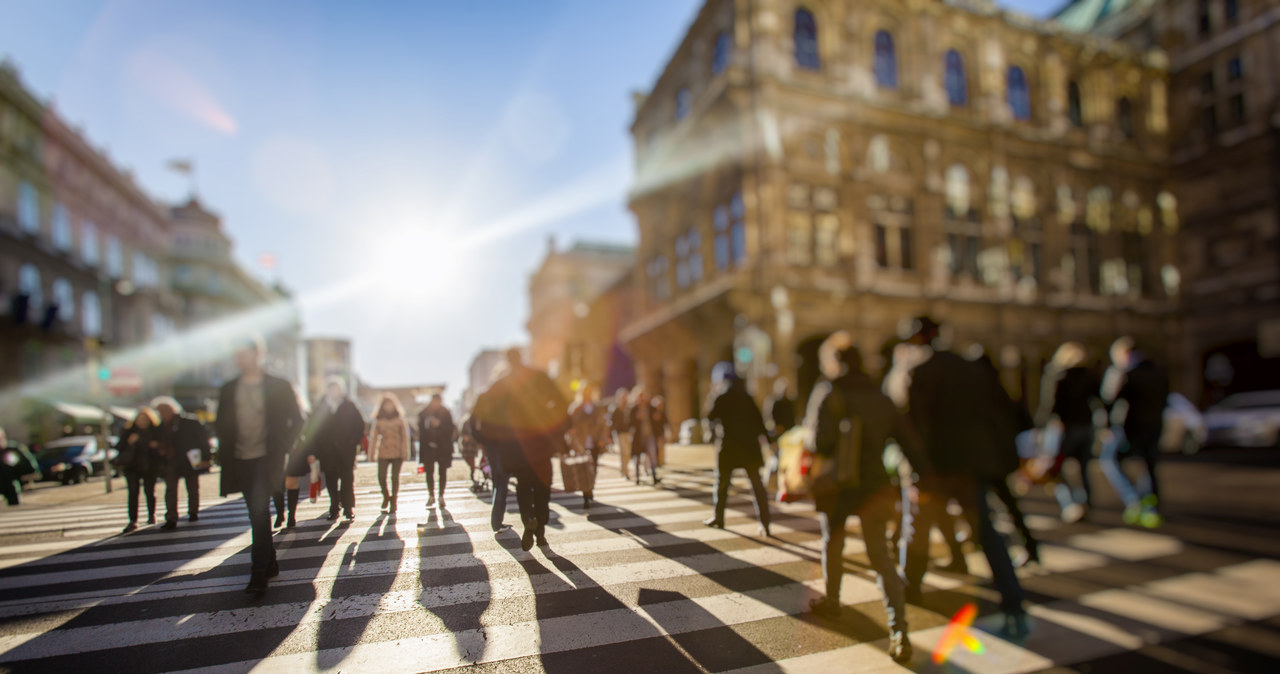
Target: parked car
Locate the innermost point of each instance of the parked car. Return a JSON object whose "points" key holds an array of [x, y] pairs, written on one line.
{"points": [[1184, 426], [1245, 420], [73, 459]]}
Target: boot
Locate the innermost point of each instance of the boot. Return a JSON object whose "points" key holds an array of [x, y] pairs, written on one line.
{"points": [[526, 539], [900, 647], [386, 501], [293, 508]]}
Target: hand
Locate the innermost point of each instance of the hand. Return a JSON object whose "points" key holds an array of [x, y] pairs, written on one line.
{"points": [[204, 465]]}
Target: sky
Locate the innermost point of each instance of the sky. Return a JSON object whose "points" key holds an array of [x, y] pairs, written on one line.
{"points": [[405, 162]]}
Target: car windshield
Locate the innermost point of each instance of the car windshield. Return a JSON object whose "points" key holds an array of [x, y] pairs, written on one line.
{"points": [[1251, 401], [61, 450]]}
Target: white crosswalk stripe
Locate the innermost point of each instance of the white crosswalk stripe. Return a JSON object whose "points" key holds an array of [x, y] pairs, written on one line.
{"points": [[637, 576]]}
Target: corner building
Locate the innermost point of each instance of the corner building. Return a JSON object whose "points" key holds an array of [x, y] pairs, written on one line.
{"points": [[809, 167]]}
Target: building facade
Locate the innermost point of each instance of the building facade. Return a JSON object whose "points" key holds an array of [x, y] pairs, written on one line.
{"points": [[560, 295], [1224, 95], [82, 257], [328, 357], [806, 167]]}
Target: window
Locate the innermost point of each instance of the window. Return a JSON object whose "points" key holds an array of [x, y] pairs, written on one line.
{"points": [[61, 228], [965, 249], [1206, 21], [1209, 121], [956, 83], [1019, 94], [737, 230], [684, 100], [659, 284], [141, 269], [1235, 69], [799, 244], [721, 53], [826, 232], [882, 246], [88, 243], [65, 297], [957, 190], [28, 208], [1235, 109], [91, 314], [1124, 117], [813, 228], [886, 64], [806, 39], [1098, 209], [878, 156], [29, 284], [906, 250], [1074, 112], [115, 257], [1206, 83], [689, 258], [1138, 281], [1231, 10], [720, 222]]}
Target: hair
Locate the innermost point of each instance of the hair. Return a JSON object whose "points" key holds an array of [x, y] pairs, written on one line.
{"points": [[1069, 355], [837, 355], [398, 412], [515, 356], [251, 342], [636, 393], [336, 381], [1122, 345], [149, 414], [157, 402]]}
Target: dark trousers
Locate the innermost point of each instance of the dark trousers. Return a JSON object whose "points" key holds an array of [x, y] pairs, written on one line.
{"points": [[1001, 489], [500, 487], [534, 497], [1077, 444], [257, 489], [433, 468], [338, 478], [172, 474], [874, 512], [136, 483], [724, 472], [389, 466]]}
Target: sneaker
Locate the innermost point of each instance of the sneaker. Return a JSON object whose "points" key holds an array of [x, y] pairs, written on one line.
{"points": [[763, 531], [291, 522], [331, 516], [526, 539], [386, 502], [431, 501], [130, 527], [151, 519], [273, 569], [824, 607], [541, 540], [349, 516], [169, 526], [1073, 513], [440, 500], [1132, 513], [1150, 519], [900, 647], [257, 584], [713, 522], [1015, 626]]}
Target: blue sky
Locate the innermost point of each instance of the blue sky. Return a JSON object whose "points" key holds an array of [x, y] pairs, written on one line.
{"points": [[362, 141]]}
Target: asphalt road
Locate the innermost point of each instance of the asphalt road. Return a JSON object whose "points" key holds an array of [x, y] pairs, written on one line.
{"points": [[636, 584]]}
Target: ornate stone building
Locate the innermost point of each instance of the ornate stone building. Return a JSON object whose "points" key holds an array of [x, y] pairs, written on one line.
{"points": [[804, 167]]}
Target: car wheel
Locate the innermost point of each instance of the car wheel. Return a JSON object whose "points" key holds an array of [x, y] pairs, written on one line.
{"points": [[79, 476]]}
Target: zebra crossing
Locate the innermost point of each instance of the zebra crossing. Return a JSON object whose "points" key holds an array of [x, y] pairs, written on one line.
{"points": [[636, 582]]}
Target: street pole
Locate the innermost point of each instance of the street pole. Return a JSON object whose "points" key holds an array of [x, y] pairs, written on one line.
{"points": [[104, 294]]}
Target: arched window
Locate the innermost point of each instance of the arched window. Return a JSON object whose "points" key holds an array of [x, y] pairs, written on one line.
{"points": [[721, 53], [886, 61], [29, 284], [737, 229], [1124, 117], [61, 228], [28, 208], [1019, 94], [65, 297], [957, 187], [806, 39], [878, 158], [91, 314], [957, 85], [89, 243], [720, 222], [1074, 113], [1098, 209], [684, 100]]}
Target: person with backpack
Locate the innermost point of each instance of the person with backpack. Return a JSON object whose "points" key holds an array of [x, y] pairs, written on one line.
{"points": [[739, 430], [852, 424]]}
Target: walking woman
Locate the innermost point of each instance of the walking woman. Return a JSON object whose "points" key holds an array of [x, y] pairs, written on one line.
{"points": [[646, 427], [588, 433], [389, 446], [140, 460], [436, 433]]}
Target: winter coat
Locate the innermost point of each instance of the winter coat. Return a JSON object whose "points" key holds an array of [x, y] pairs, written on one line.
{"points": [[284, 423], [523, 417], [436, 433], [333, 437], [738, 427], [1146, 391], [1071, 396], [964, 417], [587, 425], [620, 417], [177, 437], [140, 455], [781, 413], [389, 439]]}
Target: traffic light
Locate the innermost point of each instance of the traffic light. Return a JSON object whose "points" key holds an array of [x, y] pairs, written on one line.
{"points": [[104, 373]]}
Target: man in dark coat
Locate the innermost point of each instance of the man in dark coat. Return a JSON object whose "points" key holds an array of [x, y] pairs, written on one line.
{"points": [[964, 418], [436, 433], [523, 417], [739, 432], [1068, 400], [179, 434], [1136, 391], [258, 423], [16, 462], [335, 441], [780, 410], [620, 427], [852, 424]]}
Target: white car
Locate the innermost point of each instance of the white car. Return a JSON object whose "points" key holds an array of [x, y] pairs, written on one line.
{"points": [[1245, 420], [1184, 426]]}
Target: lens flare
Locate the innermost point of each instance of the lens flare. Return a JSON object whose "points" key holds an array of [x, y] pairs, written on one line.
{"points": [[958, 634]]}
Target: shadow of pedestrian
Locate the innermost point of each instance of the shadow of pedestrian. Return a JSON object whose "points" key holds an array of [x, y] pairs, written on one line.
{"points": [[359, 591], [461, 613]]}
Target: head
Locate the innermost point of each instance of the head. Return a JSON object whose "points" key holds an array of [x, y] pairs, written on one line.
{"points": [[1122, 352], [515, 358], [388, 408], [250, 354], [335, 390], [620, 395], [639, 396], [146, 418], [838, 356], [658, 403], [167, 407], [723, 374], [922, 331], [437, 401], [781, 386], [587, 393], [1069, 355]]}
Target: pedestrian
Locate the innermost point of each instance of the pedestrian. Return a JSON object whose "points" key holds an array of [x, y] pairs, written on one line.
{"points": [[258, 422], [302, 463], [334, 439], [620, 428], [779, 410], [740, 433], [1016, 421], [852, 424], [1136, 391], [959, 413], [179, 437], [523, 417], [663, 431], [1069, 399], [469, 447], [436, 434], [389, 447], [645, 428], [16, 463], [139, 459], [588, 430]]}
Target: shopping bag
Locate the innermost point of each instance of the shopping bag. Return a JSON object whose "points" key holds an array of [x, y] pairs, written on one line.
{"points": [[314, 492], [795, 460]]}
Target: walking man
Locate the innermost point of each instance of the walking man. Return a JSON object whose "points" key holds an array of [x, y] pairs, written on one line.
{"points": [[436, 434], [620, 427], [739, 432], [1136, 392], [179, 435], [258, 422], [339, 427]]}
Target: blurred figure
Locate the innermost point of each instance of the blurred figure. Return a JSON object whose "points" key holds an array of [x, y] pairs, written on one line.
{"points": [[336, 440], [852, 424], [258, 422], [140, 460], [303, 463], [646, 426], [620, 427], [524, 418], [961, 414], [470, 449], [1068, 400], [389, 447], [779, 410], [17, 462], [1135, 391], [662, 432], [177, 436], [740, 433], [436, 434], [588, 433]]}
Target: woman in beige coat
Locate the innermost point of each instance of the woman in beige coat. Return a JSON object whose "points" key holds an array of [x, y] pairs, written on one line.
{"points": [[389, 446]]}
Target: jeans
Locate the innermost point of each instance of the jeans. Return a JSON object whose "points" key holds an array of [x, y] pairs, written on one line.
{"points": [[136, 483], [432, 469], [1109, 459], [874, 512], [724, 472], [338, 478], [394, 466], [252, 475], [172, 474], [534, 497]]}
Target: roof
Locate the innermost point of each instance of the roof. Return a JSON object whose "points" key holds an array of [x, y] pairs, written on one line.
{"points": [[602, 248], [1085, 15]]}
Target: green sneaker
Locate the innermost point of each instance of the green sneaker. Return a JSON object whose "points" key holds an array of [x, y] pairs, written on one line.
{"points": [[1150, 519], [1150, 501], [1133, 513]]}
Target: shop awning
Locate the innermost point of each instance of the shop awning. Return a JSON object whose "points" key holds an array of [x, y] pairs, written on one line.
{"points": [[80, 412], [125, 413]]}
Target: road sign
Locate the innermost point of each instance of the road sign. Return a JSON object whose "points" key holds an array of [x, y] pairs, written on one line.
{"points": [[124, 382]]}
